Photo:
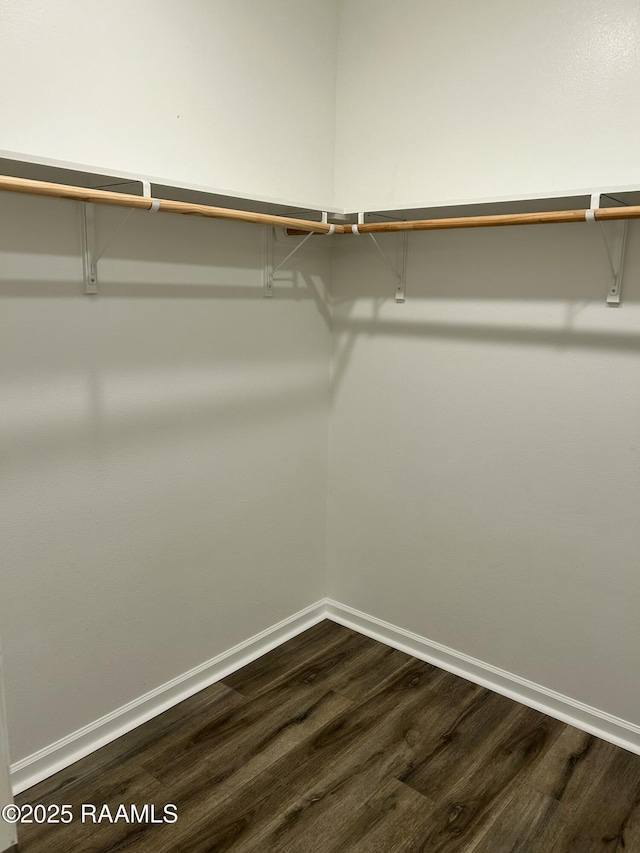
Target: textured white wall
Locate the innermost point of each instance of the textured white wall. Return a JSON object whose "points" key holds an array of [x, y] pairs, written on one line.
{"points": [[484, 454], [8, 835], [237, 95], [421, 102], [163, 489], [463, 100], [484, 483]]}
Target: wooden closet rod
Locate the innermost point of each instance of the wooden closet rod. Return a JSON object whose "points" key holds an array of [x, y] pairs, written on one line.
{"points": [[547, 217], [43, 188], [304, 226]]}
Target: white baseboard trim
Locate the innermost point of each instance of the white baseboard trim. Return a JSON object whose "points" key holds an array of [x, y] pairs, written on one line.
{"points": [[606, 726], [33, 769], [82, 742]]}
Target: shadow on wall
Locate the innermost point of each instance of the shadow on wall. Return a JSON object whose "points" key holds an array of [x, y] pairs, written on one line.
{"points": [[163, 452], [540, 286], [171, 256], [125, 368], [112, 411]]}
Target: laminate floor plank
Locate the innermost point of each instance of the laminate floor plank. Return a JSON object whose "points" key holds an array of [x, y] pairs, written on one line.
{"points": [[598, 787], [286, 711], [146, 740], [567, 771], [391, 821], [217, 775], [201, 780], [345, 661], [388, 751], [244, 732], [242, 821], [334, 743], [525, 823], [122, 786], [209, 783], [381, 663], [472, 733], [324, 639], [607, 817], [469, 800]]}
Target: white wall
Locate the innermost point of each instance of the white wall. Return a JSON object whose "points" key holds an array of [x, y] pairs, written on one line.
{"points": [[485, 454], [8, 835], [434, 101], [163, 493], [165, 444], [236, 95], [464, 100]]}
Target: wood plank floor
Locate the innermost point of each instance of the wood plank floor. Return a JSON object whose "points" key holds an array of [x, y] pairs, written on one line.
{"points": [[334, 742]]}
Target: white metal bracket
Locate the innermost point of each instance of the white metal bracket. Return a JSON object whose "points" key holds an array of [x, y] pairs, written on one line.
{"points": [[615, 246], [88, 234], [267, 251], [404, 254], [615, 251], [400, 272]]}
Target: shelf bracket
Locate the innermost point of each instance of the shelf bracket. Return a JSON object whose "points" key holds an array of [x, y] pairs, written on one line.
{"points": [[615, 247], [267, 255], [615, 251], [267, 252], [88, 233], [400, 272]]}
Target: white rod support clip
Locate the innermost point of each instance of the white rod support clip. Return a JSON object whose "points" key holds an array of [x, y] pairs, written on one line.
{"points": [[354, 228], [146, 192], [325, 219], [590, 215]]}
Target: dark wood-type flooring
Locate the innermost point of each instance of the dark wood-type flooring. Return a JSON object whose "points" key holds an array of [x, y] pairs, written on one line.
{"points": [[333, 743]]}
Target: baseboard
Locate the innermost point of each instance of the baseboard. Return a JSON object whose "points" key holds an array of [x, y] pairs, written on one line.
{"points": [[80, 743], [612, 729]]}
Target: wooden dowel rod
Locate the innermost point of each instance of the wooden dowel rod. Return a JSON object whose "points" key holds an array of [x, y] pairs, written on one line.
{"points": [[498, 220], [304, 226], [43, 188]]}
